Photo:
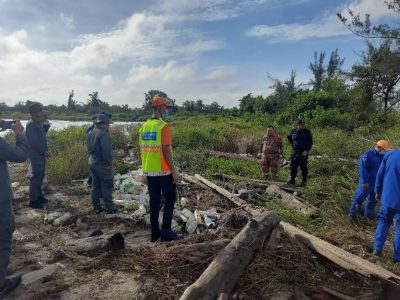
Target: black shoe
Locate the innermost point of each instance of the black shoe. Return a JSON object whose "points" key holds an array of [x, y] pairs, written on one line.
{"points": [[303, 183], [43, 200], [155, 236], [111, 211], [291, 181], [10, 283], [35, 204], [170, 235], [98, 210]]}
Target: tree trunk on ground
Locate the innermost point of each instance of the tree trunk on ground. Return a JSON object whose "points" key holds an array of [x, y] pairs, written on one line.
{"points": [[232, 155], [94, 246], [222, 274], [291, 200]]}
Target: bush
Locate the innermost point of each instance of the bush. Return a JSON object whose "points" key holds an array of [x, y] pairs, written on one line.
{"points": [[331, 117]]}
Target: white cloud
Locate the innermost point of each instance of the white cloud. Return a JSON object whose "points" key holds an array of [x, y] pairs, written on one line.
{"points": [[326, 26], [223, 72], [170, 72]]}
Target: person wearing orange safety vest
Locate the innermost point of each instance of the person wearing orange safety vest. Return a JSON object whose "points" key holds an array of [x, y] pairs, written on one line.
{"points": [[157, 164], [368, 168]]}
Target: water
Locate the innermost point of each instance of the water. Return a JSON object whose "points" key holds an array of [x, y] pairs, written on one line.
{"points": [[61, 124]]}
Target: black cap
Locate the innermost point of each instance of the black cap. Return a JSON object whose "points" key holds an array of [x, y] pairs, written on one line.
{"points": [[36, 107], [103, 118], [300, 122], [106, 113]]}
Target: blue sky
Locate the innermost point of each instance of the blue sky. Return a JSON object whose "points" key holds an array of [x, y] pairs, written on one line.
{"points": [[215, 50]]}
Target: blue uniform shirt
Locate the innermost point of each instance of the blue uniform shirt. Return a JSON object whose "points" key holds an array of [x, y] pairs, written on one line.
{"points": [[368, 166], [388, 180]]}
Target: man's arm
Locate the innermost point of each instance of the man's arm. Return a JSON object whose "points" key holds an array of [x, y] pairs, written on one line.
{"points": [[364, 164], [168, 158], [289, 137], [17, 153]]}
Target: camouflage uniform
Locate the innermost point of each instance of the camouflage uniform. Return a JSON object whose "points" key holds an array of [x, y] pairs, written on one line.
{"points": [[271, 151]]}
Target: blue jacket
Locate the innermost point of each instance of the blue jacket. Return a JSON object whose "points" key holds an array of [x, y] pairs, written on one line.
{"points": [[99, 147], [90, 128], [37, 139], [368, 166], [388, 180]]}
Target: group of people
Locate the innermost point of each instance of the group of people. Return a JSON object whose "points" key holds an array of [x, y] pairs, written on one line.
{"points": [[271, 152], [379, 181], [379, 174]]}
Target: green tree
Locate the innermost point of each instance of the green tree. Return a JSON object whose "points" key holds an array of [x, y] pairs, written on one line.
{"points": [[335, 64], [318, 69], [363, 27], [379, 73]]}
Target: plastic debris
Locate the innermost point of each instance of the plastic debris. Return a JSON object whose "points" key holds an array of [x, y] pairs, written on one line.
{"points": [[63, 219], [208, 222], [52, 216], [184, 201], [191, 225]]}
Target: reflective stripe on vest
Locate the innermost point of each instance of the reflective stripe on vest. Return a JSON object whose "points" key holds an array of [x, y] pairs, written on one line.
{"points": [[153, 162]]}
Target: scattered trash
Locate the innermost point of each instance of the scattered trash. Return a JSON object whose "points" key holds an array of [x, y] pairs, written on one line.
{"points": [[52, 216], [15, 185], [191, 226], [208, 222]]}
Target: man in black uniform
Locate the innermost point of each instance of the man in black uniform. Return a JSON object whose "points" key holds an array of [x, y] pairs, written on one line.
{"points": [[301, 140]]}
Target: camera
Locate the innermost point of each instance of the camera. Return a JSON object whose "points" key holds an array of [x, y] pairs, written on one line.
{"points": [[8, 123]]}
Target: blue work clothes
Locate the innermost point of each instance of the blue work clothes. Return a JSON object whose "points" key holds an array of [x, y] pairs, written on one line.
{"points": [[368, 166], [99, 146], [385, 220], [102, 186], [17, 153], [37, 139], [90, 128], [387, 182]]}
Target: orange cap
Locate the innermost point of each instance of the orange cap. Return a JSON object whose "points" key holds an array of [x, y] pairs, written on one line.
{"points": [[384, 144], [157, 101]]}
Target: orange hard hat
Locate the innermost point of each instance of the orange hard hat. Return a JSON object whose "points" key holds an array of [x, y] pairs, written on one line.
{"points": [[157, 101], [384, 144]]}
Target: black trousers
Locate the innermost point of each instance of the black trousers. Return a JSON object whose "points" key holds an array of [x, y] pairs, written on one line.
{"points": [[298, 159], [35, 184], [158, 185]]}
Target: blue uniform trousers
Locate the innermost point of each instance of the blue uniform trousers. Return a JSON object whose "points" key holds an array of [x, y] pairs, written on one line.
{"points": [[385, 220], [102, 186], [359, 198], [6, 232], [38, 173]]}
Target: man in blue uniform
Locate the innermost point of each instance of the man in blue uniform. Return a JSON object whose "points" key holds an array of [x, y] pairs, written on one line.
{"points": [[387, 188], [37, 141], [17, 153], [100, 163], [368, 167]]}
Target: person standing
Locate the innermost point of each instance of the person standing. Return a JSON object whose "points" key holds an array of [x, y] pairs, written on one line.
{"points": [[37, 141], [301, 140], [271, 151], [100, 163], [387, 189], [368, 167], [157, 164], [17, 153]]}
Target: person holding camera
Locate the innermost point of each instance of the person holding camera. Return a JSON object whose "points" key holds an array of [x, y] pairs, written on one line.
{"points": [[17, 153], [37, 141]]}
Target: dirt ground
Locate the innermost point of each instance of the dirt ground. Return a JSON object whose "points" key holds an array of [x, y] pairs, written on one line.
{"points": [[145, 270]]}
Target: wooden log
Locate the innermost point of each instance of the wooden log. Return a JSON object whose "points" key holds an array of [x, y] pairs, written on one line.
{"points": [[335, 254], [232, 155], [239, 202], [222, 274], [341, 257], [94, 246], [291, 200]]}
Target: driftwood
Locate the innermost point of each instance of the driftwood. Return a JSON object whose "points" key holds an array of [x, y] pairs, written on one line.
{"points": [[222, 274], [96, 245], [291, 200], [341, 257], [232, 155], [238, 201], [194, 253], [335, 254]]}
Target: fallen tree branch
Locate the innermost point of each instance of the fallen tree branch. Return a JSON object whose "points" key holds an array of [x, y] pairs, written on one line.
{"points": [[291, 200], [232, 155], [223, 272]]}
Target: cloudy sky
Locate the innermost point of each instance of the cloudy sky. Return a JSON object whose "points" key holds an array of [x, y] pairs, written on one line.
{"points": [[215, 50]]}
